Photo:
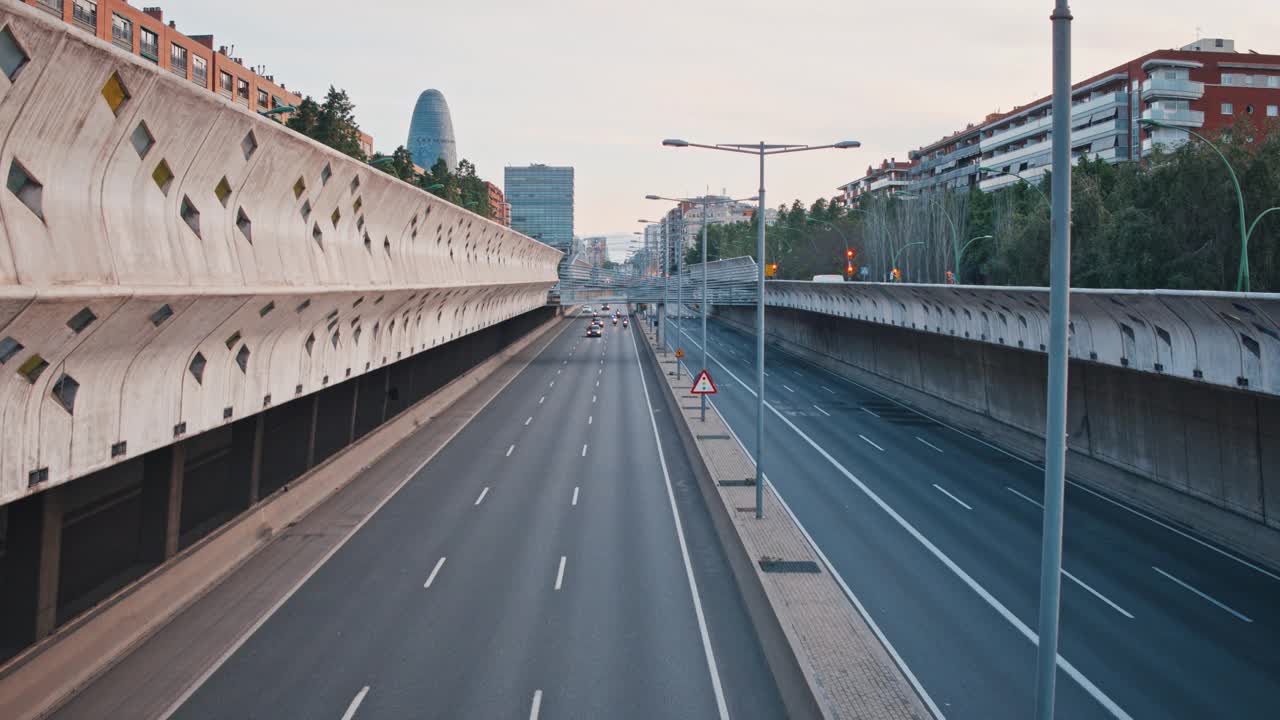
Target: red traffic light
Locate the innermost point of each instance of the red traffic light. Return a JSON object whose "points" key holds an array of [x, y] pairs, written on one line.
{"points": [[849, 253]]}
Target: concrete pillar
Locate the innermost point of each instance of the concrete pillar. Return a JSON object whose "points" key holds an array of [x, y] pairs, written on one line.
{"points": [[255, 463], [50, 563], [173, 509], [311, 435]]}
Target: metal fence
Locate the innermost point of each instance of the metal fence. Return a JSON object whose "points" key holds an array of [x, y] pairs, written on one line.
{"points": [[729, 282]]}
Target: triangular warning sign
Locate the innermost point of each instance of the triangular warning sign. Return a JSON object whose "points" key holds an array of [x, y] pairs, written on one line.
{"points": [[703, 385]]}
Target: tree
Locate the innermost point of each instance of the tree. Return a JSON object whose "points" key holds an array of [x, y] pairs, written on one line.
{"points": [[332, 122], [399, 164]]}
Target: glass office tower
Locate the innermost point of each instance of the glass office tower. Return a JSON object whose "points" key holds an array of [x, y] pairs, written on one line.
{"points": [[541, 198], [431, 132]]}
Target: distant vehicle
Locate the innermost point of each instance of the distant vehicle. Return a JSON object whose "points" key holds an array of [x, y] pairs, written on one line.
{"points": [[828, 278], [604, 306], [615, 319], [624, 322], [593, 331]]}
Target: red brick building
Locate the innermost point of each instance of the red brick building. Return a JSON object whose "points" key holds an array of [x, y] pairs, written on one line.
{"points": [[499, 208]]}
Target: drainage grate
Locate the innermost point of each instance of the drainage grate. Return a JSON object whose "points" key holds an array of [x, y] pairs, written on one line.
{"points": [[789, 566], [747, 482]]}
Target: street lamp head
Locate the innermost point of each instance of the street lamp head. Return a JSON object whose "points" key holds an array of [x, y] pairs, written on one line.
{"points": [[1152, 123], [987, 169], [652, 197], [843, 144], [674, 142]]}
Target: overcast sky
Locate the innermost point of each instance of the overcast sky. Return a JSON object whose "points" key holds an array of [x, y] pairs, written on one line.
{"points": [[597, 84]]}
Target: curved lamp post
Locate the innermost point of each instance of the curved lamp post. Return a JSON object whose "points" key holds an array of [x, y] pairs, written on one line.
{"points": [[1242, 275], [899, 252], [761, 150], [955, 232]]}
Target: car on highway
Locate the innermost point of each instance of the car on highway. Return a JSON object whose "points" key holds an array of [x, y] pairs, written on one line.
{"points": [[593, 331]]}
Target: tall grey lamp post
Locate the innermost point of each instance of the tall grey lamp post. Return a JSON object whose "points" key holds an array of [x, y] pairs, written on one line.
{"points": [[706, 203], [1056, 418], [762, 150]]}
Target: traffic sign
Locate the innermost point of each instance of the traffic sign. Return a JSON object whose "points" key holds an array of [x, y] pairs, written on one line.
{"points": [[703, 385], [679, 352]]}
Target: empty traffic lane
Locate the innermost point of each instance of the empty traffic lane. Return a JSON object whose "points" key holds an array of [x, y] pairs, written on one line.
{"points": [[538, 564]]}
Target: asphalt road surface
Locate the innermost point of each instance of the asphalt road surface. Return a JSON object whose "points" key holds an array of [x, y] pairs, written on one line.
{"points": [[549, 561], [937, 535]]}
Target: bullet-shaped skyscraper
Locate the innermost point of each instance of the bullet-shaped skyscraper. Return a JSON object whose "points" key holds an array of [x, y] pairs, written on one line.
{"points": [[431, 131]]}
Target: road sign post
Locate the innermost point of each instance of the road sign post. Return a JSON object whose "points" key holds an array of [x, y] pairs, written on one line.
{"points": [[702, 387]]}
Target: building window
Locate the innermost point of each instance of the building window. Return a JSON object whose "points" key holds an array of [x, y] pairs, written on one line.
{"points": [[1227, 109], [200, 71], [242, 88], [85, 13], [1273, 111], [224, 81], [122, 32], [149, 45], [263, 98], [177, 60]]}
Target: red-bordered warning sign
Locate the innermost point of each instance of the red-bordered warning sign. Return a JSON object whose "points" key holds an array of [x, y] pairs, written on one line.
{"points": [[703, 385]]}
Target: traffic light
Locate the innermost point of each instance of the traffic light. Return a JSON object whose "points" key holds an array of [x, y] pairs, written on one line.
{"points": [[951, 278], [849, 253], [848, 269], [896, 275], [771, 269]]}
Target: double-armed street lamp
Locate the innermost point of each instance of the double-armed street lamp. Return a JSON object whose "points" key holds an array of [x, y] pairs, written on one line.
{"points": [[762, 150], [706, 204], [1246, 231]]}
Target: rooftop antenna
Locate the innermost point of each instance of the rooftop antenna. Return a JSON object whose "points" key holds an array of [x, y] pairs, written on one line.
{"points": [[1197, 33]]}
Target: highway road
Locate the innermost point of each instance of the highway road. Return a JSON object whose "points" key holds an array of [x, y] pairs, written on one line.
{"points": [[549, 561], [937, 535]]}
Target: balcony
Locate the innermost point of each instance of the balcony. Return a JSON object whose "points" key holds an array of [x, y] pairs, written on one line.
{"points": [[1168, 88], [1181, 118], [85, 15], [149, 50], [1078, 110], [122, 37], [887, 183]]}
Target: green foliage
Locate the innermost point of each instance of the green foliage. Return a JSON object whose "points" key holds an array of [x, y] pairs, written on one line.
{"points": [[332, 122]]}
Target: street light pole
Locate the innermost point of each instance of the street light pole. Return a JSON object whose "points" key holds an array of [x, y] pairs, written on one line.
{"points": [[1055, 455], [761, 149]]}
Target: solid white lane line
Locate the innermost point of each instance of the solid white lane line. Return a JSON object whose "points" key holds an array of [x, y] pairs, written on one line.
{"points": [[1097, 594], [584, 450], [1024, 497], [588, 419], [824, 412], [960, 502], [597, 383], [510, 450], [434, 571], [482, 494], [824, 387], [1093, 690], [593, 398], [526, 422], [560, 573], [872, 414], [558, 371], [926, 442], [355, 703], [787, 387], [541, 399], [1206, 596], [1100, 496], [575, 496], [552, 384], [721, 706], [537, 705], [797, 372], [864, 437]]}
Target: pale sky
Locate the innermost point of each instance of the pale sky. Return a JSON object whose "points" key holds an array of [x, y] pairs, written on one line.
{"points": [[597, 84]]}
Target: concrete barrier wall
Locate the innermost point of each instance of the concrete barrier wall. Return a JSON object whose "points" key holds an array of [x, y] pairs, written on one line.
{"points": [[174, 262], [1177, 446]]}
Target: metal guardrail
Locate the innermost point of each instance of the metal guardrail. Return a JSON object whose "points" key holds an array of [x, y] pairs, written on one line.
{"points": [[729, 282]]}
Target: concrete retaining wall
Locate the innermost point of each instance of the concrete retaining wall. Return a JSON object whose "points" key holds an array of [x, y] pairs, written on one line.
{"points": [[174, 262], [1196, 452]]}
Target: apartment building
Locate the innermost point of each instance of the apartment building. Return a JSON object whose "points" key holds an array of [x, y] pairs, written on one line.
{"points": [[1203, 86], [889, 177], [192, 57], [499, 208]]}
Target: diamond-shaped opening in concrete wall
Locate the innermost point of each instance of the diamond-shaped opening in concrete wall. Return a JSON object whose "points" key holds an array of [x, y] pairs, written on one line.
{"points": [[310, 343], [8, 348], [164, 312], [222, 190], [355, 183], [306, 210], [317, 235], [303, 305], [355, 336], [386, 245], [32, 368], [359, 203], [197, 367], [26, 188], [357, 301], [244, 225], [335, 338], [227, 412], [12, 57], [64, 391], [266, 309], [335, 217], [360, 223], [190, 215], [142, 140], [249, 145], [81, 320], [378, 300], [163, 176], [242, 358], [299, 188], [367, 243], [325, 173], [115, 93], [232, 339]]}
